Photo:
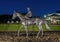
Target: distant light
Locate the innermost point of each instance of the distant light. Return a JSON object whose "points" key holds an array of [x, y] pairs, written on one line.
{"points": [[17, 21], [44, 16], [12, 21], [8, 21]]}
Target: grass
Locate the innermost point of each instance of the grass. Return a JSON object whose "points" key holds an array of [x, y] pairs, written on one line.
{"points": [[14, 27]]}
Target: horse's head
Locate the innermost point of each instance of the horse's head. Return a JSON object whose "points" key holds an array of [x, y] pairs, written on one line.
{"points": [[14, 15]]}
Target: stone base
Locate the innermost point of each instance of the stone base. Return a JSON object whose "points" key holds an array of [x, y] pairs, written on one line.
{"points": [[47, 37]]}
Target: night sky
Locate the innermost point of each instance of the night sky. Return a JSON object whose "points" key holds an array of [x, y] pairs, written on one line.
{"points": [[38, 7]]}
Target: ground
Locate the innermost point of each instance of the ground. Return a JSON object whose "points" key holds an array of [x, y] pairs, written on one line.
{"points": [[14, 27], [49, 36]]}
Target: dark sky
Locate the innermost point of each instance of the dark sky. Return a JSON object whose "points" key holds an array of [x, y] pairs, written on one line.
{"points": [[38, 7]]}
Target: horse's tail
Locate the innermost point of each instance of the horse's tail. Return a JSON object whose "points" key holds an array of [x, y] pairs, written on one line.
{"points": [[47, 27]]}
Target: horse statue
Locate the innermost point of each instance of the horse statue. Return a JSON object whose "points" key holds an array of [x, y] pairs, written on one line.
{"points": [[25, 22]]}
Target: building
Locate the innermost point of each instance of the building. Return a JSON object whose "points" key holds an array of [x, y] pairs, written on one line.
{"points": [[53, 18]]}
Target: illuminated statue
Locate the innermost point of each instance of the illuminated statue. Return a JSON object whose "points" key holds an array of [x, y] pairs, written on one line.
{"points": [[25, 22]]}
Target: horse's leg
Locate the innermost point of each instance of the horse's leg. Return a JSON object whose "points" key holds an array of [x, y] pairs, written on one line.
{"points": [[40, 29], [26, 30], [38, 32], [19, 30], [47, 27]]}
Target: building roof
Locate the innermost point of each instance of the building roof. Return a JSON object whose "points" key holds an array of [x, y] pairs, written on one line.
{"points": [[54, 15]]}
